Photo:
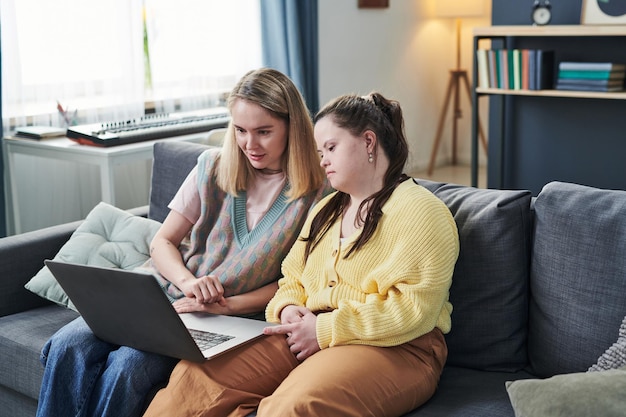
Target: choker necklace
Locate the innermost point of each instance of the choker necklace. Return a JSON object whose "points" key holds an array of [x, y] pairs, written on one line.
{"points": [[269, 171]]}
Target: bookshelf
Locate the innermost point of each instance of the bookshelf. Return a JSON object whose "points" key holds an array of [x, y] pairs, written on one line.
{"points": [[555, 30], [554, 93], [507, 35]]}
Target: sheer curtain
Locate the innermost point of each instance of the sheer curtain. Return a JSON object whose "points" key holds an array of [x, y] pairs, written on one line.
{"points": [[100, 62], [198, 49], [82, 55]]}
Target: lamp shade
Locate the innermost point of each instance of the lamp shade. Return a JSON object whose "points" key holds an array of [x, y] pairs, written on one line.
{"points": [[459, 8]]}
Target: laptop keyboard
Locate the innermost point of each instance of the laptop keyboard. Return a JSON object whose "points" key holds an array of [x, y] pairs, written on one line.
{"points": [[206, 340]]}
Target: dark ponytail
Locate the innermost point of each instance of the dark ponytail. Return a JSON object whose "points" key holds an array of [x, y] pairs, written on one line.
{"points": [[357, 114]]}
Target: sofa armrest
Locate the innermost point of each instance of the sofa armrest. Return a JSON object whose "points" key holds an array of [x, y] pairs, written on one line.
{"points": [[21, 257]]}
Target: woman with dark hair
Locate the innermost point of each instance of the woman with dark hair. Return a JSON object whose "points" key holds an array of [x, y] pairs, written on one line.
{"points": [[219, 250], [363, 304]]}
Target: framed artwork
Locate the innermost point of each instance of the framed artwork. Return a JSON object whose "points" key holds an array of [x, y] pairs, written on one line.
{"points": [[373, 4], [603, 12]]}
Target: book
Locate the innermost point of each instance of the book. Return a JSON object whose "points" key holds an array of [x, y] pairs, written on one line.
{"points": [[511, 68], [483, 68], [517, 69], [493, 71], [39, 132], [525, 68], [496, 54], [544, 66], [591, 66], [503, 61], [532, 73], [585, 87], [592, 75], [583, 81]]}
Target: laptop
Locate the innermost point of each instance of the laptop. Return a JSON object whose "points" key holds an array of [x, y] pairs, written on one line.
{"points": [[129, 308]]}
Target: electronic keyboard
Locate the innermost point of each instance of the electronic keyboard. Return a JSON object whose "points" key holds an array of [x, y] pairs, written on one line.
{"points": [[149, 127]]}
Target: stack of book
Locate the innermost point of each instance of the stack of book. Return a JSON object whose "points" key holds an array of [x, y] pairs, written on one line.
{"points": [[515, 69], [39, 132], [591, 76]]}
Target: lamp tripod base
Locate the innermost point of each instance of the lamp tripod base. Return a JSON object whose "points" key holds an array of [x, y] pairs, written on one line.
{"points": [[457, 77]]}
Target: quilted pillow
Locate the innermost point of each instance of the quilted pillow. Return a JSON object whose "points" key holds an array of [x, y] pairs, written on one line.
{"points": [[490, 285], [581, 394], [108, 237]]}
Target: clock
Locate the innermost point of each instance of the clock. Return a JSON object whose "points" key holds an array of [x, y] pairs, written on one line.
{"points": [[541, 13]]}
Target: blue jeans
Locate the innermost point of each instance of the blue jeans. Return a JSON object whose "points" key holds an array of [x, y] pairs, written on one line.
{"points": [[85, 376]]}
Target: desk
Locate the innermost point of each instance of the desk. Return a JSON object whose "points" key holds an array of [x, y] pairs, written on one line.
{"points": [[63, 149]]}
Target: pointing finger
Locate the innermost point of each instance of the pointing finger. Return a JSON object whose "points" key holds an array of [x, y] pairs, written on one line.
{"points": [[280, 329]]}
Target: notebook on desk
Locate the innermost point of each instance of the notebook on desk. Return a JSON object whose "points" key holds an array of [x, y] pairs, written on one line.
{"points": [[129, 308]]}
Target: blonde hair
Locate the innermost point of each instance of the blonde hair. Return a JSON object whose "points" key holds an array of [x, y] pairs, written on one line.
{"points": [[276, 93]]}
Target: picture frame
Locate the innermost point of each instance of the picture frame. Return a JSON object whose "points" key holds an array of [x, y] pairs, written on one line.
{"points": [[603, 12], [373, 4]]}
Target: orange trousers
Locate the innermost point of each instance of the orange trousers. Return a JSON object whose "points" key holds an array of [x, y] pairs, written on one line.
{"points": [[354, 380]]}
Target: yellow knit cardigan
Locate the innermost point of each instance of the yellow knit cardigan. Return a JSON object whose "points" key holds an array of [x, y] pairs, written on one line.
{"points": [[392, 290]]}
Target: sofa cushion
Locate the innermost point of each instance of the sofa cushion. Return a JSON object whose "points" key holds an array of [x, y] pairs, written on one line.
{"points": [[22, 335], [580, 394], [489, 292], [172, 162], [466, 392], [577, 276], [108, 237]]}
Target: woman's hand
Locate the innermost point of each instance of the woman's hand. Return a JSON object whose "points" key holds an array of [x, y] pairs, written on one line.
{"points": [[205, 290], [301, 333], [293, 314], [242, 304], [191, 305]]}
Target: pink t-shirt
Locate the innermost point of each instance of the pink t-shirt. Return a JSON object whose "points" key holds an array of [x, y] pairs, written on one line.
{"points": [[260, 197]]}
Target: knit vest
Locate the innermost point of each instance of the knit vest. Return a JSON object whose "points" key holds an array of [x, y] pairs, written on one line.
{"points": [[220, 244]]}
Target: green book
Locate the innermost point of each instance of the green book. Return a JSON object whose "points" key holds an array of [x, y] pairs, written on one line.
{"points": [[592, 75]]}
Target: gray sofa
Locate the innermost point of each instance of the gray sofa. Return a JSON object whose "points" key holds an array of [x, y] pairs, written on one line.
{"points": [[539, 289]]}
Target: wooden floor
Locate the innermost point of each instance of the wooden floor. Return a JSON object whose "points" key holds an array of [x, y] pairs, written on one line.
{"points": [[457, 174]]}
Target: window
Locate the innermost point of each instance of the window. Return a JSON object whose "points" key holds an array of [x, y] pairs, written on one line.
{"points": [[109, 59]]}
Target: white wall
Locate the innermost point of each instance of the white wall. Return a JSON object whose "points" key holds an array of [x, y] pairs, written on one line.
{"points": [[404, 53]]}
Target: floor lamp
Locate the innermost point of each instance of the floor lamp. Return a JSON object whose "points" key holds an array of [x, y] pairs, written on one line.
{"points": [[456, 9]]}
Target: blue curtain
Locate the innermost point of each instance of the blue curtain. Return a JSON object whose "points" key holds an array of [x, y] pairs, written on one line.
{"points": [[289, 41]]}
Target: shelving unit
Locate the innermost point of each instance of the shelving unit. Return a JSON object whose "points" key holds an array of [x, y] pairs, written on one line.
{"points": [[559, 30], [553, 93], [505, 34]]}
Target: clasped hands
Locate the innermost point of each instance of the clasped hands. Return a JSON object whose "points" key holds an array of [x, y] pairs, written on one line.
{"points": [[299, 325], [204, 294]]}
